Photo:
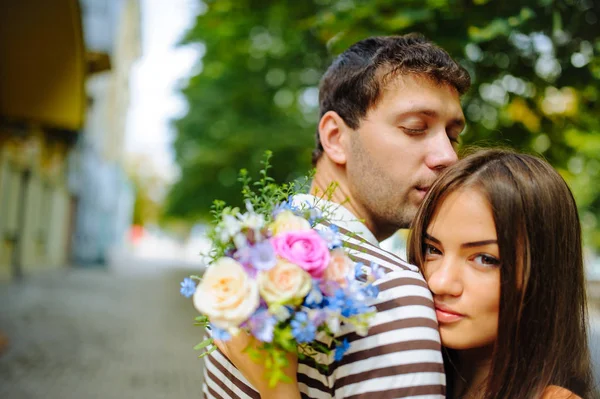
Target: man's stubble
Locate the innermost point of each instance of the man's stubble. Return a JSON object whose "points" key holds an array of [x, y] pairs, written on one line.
{"points": [[386, 201]]}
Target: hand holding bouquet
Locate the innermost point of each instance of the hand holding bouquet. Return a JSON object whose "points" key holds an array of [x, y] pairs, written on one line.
{"points": [[280, 273]]}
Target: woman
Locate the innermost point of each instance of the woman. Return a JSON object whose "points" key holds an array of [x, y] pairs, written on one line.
{"points": [[498, 240]]}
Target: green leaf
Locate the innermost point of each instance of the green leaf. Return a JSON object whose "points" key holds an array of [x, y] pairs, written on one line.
{"points": [[204, 344]]}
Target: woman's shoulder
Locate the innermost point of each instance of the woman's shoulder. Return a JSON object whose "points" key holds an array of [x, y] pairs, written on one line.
{"points": [[556, 392]]}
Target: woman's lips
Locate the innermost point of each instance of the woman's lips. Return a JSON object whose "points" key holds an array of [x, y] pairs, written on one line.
{"points": [[446, 315]]}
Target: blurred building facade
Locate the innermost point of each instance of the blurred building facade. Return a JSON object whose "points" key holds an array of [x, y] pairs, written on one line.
{"points": [[105, 195], [63, 105]]}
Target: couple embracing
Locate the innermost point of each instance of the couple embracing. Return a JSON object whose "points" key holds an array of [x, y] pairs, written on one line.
{"points": [[491, 303]]}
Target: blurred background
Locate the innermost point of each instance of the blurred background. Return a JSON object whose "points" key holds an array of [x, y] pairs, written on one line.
{"points": [[122, 120]]}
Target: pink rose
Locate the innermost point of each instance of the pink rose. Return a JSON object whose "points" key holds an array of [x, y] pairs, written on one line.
{"points": [[340, 268], [304, 248]]}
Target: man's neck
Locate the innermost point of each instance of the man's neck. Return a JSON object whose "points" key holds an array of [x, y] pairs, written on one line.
{"points": [[323, 180]]}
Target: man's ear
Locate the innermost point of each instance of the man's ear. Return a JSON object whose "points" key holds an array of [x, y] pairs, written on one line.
{"points": [[334, 136]]}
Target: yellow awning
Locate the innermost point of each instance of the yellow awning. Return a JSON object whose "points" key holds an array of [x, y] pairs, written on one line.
{"points": [[43, 63]]}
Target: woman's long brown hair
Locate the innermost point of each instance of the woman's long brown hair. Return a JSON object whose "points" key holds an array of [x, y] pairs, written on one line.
{"points": [[542, 337]]}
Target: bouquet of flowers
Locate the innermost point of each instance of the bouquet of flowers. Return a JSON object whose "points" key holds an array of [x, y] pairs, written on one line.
{"points": [[279, 271]]}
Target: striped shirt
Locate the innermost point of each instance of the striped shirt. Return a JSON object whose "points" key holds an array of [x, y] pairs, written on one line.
{"points": [[400, 357]]}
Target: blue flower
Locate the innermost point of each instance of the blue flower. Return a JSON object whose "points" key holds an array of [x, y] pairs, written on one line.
{"points": [[332, 236], [358, 270], [377, 271], [284, 206], [341, 349], [262, 255], [188, 287], [346, 304], [336, 302], [314, 214], [219, 334], [315, 297], [371, 291], [302, 329], [262, 325]]}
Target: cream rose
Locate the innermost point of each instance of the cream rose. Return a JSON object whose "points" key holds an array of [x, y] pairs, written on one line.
{"points": [[226, 294], [287, 221], [340, 268], [284, 283]]}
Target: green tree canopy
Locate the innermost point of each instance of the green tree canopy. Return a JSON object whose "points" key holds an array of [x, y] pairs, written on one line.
{"points": [[535, 66]]}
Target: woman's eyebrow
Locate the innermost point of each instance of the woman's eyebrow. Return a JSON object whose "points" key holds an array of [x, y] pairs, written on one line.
{"points": [[432, 238], [465, 245], [478, 243]]}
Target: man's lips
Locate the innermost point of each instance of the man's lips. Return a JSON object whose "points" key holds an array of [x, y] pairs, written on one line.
{"points": [[446, 315], [422, 191]]}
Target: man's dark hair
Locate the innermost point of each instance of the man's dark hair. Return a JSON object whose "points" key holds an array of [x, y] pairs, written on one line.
{"points": [[353, 83]]}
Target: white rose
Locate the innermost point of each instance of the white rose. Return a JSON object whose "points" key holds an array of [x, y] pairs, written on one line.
{"points": [[226, 294], [286, 221], [284, 283]]}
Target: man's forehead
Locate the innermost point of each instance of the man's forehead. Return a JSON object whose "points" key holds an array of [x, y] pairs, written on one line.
{"points": [[416, 94], [403, 80]]}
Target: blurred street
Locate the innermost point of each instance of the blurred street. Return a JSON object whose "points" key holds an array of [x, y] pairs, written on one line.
{"points": [[121, 332]]}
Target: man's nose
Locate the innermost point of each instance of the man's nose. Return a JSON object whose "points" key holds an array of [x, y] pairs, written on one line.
{"points": [[445, 279], [441, 152]]}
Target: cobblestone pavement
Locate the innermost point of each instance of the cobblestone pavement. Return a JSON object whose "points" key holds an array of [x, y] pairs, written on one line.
{"points": [[123, 332]]}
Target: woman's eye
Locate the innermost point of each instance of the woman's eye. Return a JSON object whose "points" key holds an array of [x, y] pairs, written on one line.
{"points": [[487, 260], [431, 250]]}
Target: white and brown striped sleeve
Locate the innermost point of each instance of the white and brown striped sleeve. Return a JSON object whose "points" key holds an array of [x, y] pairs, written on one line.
{"points": [[401, 355], [223, 381]]}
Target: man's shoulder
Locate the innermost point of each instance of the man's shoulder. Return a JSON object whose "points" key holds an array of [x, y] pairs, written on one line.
{"points": [[364, 251]]}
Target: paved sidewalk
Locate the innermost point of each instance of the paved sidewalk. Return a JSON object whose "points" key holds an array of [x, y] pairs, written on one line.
{"points": [[119, 333]]}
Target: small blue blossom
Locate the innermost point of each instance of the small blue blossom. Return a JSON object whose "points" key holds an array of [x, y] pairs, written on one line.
{"points": [[284, 206], [314, 214], [341, 349], [262, 325], [377, 271], [347, 305], [262, 255], [188, 287], [337, 301], [332, 236], [371, 290], [315, 297], [302, 329], [358, 270], [219, 334]]}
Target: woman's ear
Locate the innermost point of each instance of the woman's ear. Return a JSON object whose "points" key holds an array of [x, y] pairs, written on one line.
{"points": [[333, 133]]}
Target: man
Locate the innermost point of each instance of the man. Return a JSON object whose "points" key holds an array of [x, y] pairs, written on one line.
{"points": [[390, 119]]}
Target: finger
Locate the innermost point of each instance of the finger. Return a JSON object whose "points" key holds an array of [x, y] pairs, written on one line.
{"points": [[222, 346]]}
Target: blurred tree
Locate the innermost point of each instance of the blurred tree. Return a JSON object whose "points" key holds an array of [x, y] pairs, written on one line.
{"points": [[535, 66], [256, 91]]}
